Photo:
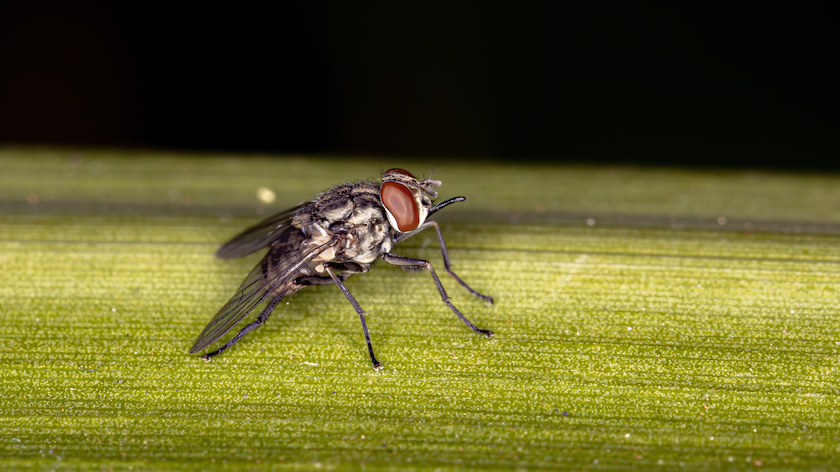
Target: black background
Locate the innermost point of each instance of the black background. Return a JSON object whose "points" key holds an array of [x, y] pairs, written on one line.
{"points": [[668, 83]]}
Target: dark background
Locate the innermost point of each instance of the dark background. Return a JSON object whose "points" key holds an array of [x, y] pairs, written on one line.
{"points": [[670, 83]]}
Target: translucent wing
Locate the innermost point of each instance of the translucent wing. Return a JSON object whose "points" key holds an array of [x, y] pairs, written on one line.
{"points": [[280, 266], [258, 236]]}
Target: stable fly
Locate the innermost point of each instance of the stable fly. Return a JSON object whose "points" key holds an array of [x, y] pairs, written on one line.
{"points": [[324, 241]]}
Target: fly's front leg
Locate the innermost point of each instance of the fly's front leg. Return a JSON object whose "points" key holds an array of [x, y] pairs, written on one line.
{"points": [[413, 263], [338, 281], [446, 264]]}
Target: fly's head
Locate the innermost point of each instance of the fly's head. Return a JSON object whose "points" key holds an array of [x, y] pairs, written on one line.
{"points": [[406, 199]]}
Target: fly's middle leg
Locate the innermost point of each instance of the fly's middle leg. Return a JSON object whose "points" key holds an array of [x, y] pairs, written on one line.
{"points": [[362, 314]]}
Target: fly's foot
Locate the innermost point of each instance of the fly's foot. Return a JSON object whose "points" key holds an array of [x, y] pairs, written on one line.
{"points": [[213, 354]]}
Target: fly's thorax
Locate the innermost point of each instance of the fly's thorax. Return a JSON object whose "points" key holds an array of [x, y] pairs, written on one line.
{"points": [[315, 234], [406, 199], [363, 241], [339, 204], [303, 216], [364, 214], [327, 256]]}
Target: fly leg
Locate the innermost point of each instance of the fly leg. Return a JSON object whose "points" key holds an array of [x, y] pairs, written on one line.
{"points": [[445, 252], [412, 263], [256, 324], [338, 281], [348, 269], [316, 280]]}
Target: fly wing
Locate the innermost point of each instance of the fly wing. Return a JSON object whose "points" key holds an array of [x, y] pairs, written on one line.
{"points": [[273, 273], [258, 236]]}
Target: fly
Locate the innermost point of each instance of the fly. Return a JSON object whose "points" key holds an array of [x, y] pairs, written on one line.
{"points": [[334, 236]]}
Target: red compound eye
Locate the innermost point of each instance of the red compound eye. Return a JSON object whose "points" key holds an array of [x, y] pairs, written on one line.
{"points": [[399, 171], [400, 202]]}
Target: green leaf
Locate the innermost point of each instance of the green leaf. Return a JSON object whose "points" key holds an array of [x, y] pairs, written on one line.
{"points": [[643, 317]]}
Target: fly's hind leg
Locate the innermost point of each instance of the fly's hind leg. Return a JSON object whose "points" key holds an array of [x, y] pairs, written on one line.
{"points": [[413, 263], [256, 324]]}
